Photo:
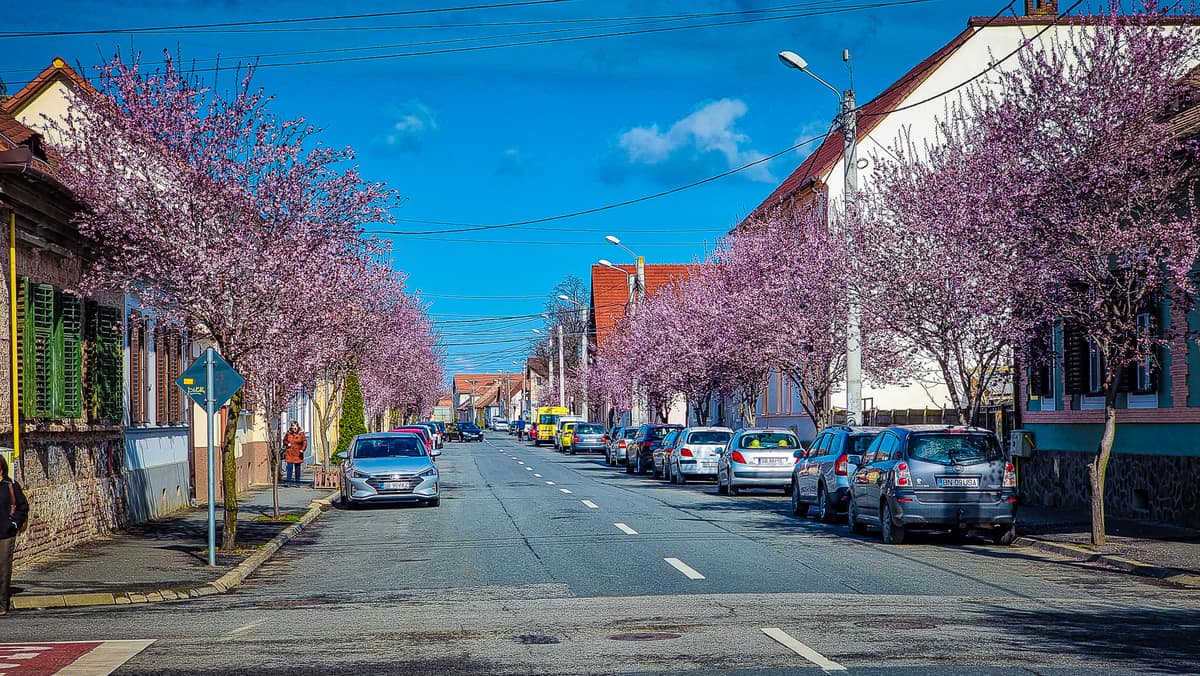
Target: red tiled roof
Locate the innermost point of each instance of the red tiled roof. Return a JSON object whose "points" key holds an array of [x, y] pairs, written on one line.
{"points": [[485, 382], [610, 292], [58, 68], [13, 134], [811, 172]]}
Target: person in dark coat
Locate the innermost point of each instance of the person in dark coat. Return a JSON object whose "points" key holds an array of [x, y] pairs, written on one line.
{"points": [[14, 511]]}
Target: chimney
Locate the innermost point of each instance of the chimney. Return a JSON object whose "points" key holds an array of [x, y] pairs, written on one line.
{"points": [[1041, 7]]}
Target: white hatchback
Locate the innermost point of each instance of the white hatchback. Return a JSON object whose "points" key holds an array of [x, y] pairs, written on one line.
{"points": [[696, 453]]}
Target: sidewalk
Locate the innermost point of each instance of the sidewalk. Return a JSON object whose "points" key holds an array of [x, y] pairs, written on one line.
{"points": [[1141, 547], [164, 554]]}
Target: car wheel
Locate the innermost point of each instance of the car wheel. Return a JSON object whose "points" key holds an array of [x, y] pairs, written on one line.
{"points": [[827, 512], [639, 470], [680, 477], [1005, 535], [856, 526], [733, 490], [721, 486], [892, 534], [798, 508], [628, 466]]}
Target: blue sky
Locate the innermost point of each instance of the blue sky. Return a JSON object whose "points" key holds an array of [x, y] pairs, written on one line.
{"points": [[503, 135]]}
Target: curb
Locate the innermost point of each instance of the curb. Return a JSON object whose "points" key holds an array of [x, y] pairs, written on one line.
{"points": [[1127, 565], [225, 583]]}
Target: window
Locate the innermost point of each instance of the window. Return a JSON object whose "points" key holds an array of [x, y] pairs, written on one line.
{"points": [[104, 396], [168, 360], [772, 440], [709, 437], [138, 369], [1095, 370], [954, 449], [1143, 380]]}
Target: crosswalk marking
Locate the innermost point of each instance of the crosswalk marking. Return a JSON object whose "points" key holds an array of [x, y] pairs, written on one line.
{"points": [[682, 567], [782, 637]]}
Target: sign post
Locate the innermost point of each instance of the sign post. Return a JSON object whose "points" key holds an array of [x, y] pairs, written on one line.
{"points": [[211, 390]]}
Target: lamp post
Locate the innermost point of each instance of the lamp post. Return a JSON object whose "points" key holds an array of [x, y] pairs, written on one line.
{"points": [[636, 295], [583, 350], [848, 115], [549, 361]]}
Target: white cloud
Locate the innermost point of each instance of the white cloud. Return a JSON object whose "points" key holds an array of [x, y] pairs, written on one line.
{"points": [[708, 132], [414, 120]]}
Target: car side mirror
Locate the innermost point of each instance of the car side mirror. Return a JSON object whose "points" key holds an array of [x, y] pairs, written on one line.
{"points": [[436, 452], [799, 454]]}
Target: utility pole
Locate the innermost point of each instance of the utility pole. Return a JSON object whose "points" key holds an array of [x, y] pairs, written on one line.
{"points": [[583, 363], [562, 381], [854, 412]]}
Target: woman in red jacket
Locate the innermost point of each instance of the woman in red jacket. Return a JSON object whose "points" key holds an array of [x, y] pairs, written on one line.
{"points": [[294, 445]]}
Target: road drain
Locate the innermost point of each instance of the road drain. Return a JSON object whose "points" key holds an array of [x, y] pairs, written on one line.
{"points": [[895, 624], [536, 639], [644, 636]]}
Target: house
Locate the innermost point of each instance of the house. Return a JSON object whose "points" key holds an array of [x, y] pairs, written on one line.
{"points": [[63, 431], [613, 293], [479, 397]]}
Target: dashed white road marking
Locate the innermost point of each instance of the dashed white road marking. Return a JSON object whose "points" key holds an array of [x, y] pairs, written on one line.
{"points": [[549, 483], [245, 628], [519, 462], [528, 468], [782, 637], [682, 567], [565, 491], [625, 529], [537, 475], [590, 505]]}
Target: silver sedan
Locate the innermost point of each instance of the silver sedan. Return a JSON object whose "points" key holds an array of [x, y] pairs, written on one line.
{"points": [[390, 467], [757, 458]]}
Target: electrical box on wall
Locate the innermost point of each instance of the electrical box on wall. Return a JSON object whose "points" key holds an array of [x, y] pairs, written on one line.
{"points": [[1021, 444]]}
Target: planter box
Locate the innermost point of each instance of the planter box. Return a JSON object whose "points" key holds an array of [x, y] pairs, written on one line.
{"points": [[326, 477]]}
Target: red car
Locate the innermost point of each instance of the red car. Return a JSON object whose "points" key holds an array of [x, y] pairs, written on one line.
{"points": [[420, 431]]}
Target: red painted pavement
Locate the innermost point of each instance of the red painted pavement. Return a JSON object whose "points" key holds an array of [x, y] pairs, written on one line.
{"points": [[35, 659]]}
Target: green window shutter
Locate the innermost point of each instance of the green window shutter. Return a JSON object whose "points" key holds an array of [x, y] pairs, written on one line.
{"points": [[71, 339], [40, 364], [104, 363]]}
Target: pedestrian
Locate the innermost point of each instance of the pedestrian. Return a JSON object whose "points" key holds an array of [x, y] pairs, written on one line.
{"points": [[294, 445], [520, 429], [14, 511]]}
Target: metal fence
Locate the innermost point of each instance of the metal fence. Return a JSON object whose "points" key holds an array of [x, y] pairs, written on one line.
{"points": [[998, 417]]}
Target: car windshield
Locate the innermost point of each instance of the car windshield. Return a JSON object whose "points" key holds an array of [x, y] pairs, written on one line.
{"points": [[769, 440], [390, 447], [659, 432], [468, 427], [954, 449], [629, 433], [859, 443], [709, 437], [589, 429], [548, 419]]}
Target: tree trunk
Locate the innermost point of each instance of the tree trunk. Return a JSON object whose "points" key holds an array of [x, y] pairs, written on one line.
{"points": [[1098, 469], [229, 474], [275, 444]]}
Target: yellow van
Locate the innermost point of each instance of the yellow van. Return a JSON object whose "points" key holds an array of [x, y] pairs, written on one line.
{"points": [[547, 420]]}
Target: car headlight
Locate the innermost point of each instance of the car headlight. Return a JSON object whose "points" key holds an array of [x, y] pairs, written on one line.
{"points": [[431, 472], [355, 474]]}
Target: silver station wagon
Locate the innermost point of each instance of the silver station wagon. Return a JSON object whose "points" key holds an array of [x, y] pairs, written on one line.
{"points": [[935, 477], [389, 467]]}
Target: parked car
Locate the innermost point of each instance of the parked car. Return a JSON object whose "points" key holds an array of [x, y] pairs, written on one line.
{"points": [[639, 451], [587, 438], [659, 457], [935, 477], [452, 433], [618, 439], [419, 430], [389, 467], [696, 453], [757, 458], [436, 433], [500, 425], [560, 424], [469, 431], [547, 418], [564, 435], [821, 475]]}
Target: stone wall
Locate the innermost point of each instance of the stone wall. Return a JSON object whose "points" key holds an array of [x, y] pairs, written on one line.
{"points": [[1154, 487], [75, 484]]}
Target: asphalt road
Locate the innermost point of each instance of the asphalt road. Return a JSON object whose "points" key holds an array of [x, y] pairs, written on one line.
{"points": [[540, 563]]}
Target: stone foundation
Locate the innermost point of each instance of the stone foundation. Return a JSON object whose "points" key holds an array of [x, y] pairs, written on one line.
{"points": [[75, 483], [1154, 487]]}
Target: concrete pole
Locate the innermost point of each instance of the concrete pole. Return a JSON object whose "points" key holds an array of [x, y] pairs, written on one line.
{"points": [[635, 413], [583, 350], [853, 330], [562, 381]]}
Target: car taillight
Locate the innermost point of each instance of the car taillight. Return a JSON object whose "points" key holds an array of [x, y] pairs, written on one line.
{"points": [[738, 457], [686, 452], [604, 438], [842, 466], [621, 444], [1010, 475], [903, 476]]}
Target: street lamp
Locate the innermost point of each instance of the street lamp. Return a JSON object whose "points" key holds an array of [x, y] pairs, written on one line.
{"points": [[550, 360], [634, 300], [583, 348], [848, 115]]}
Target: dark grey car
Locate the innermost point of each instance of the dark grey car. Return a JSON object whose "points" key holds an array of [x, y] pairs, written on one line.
{"points": [[935, 477], [821, 476], [588, 438]]}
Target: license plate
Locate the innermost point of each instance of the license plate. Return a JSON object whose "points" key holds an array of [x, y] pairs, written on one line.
{"points": [[708, 465], [957, 482], [396, 485], [772, 461]]}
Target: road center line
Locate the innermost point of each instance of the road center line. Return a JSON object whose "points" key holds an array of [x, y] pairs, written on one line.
{"points": [[537, 475], [682, 567], [528, 469], [247, 627], [549, 483], [625, 529], [782, 637], [590, 505], [565, 491]]}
